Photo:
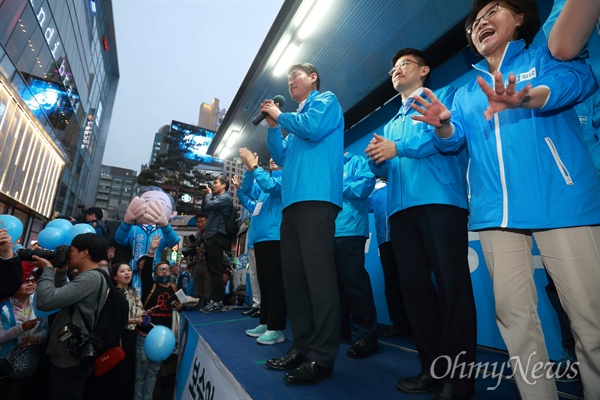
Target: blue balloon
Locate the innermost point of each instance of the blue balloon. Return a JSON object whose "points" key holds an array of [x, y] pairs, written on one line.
{"points": [[61, 224], [39, 313], [13, 225], [49, 238], [159, 344], [78, 230]]}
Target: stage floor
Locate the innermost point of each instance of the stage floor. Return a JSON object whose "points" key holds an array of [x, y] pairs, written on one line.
{"points": [[219, 361]]}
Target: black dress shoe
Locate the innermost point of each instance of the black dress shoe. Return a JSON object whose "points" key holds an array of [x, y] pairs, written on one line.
{"points": [[422, 383], [362, 349], [397, 332], [308, 373], [255, 314], [250, 311], [293, 359], [448, 392]]}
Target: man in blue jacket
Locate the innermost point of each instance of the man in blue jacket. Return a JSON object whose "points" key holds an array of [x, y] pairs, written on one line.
{"points": [[311, 191], [427, 209], [351, 233]]}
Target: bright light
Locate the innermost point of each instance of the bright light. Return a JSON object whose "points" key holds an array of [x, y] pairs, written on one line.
{"points": [[232, 138], [314, 18], [286, 59], [224, 153]]}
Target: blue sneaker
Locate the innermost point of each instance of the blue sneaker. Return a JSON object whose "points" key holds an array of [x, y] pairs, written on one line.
{"points": [[271, 337], [258, 331]]}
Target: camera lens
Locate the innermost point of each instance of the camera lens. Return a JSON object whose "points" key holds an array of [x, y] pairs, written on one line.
{"points": [[27, 254]]}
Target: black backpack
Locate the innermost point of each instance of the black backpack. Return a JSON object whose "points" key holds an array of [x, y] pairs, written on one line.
{"points": [[231, 226], [113, 317]]}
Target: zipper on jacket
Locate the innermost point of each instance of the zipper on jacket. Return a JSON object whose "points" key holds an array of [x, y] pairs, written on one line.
{"points": [[504, 222], [468, 181], [561, 167]]}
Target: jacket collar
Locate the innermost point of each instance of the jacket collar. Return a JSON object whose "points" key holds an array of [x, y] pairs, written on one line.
{"points": [[510, 52]]}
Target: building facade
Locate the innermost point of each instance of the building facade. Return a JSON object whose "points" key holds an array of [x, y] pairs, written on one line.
{"points": [[58, 80], [211, 116], [115, 191]]}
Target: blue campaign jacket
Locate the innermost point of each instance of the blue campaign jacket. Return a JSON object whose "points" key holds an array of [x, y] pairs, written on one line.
{"points": [[378, 206], [139, 238], [529, 169], [248, 204], [358, 185], [265, 189], [420, 174], [312, 154]]}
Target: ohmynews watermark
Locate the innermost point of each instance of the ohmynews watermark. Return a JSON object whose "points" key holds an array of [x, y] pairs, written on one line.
{"points": [[530, 372]]}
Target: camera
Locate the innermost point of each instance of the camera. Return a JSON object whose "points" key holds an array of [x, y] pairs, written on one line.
{"points": [[85, 347], [191, 250], [56, 257]]}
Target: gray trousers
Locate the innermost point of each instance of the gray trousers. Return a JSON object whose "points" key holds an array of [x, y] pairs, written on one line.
{"points": [[572, 258]]}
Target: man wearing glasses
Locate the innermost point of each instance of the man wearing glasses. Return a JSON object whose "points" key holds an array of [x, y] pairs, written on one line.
{"points": [[427, 211]]}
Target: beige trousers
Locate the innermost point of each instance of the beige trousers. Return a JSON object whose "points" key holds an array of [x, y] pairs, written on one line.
{"points": [[572, 257]]}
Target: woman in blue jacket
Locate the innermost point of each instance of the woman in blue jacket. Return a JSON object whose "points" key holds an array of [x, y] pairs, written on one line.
{"points": [[530, 175]]}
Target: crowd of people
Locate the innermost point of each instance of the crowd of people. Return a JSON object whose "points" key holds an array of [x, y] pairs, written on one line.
{"points": [[505, 155]]}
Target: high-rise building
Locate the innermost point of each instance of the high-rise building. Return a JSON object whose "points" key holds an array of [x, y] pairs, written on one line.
{"points": [[58, 80], [211, 116], [158, 147], [115, 191]]}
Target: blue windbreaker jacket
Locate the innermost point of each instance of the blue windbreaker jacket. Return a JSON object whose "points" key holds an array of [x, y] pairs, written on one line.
{"points": [[266, 221], [378, 206], [312, 154], [420, 174], [358, 185], [529, 169]]}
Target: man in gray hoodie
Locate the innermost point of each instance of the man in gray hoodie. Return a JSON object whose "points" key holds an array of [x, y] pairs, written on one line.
{"points": [[77, 300]]}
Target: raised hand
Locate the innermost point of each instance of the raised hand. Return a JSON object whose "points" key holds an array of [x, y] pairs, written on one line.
{"points": [[501, 98], [435, 113], [6, 248], [155, 242], [155, 214], [135, 210], [249, 158], [236, 182], [272, 109]]}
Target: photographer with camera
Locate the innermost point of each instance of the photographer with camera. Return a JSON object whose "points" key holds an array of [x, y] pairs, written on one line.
{"points": [[71, 351], [10, 267]]}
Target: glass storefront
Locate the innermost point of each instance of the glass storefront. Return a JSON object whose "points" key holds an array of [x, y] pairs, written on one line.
{"points": [[57, 68]]}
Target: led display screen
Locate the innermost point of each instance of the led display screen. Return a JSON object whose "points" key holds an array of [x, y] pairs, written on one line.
{"points": [[51, 99], [197, 140]]}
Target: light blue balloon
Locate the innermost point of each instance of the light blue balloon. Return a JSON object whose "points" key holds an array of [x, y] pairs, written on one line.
{"points": [[78, 230], [61, 224], [39, 313], [13, 225], [159, 343], [49, 238]]}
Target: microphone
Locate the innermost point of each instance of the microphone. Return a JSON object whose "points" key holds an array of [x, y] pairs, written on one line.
{"points": [[277, 99]]}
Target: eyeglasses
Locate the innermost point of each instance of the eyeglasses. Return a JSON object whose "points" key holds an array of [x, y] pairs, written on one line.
{"points": [[32, 280], [162, 269], [402, 66], [103, 265], [488, 14]]}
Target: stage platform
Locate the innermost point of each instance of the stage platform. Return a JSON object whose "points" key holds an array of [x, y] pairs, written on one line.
{"points": [[218, 361]]}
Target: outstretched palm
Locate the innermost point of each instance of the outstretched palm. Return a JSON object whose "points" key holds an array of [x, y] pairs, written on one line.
{"points": [[499, 97], [434, 113]]}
